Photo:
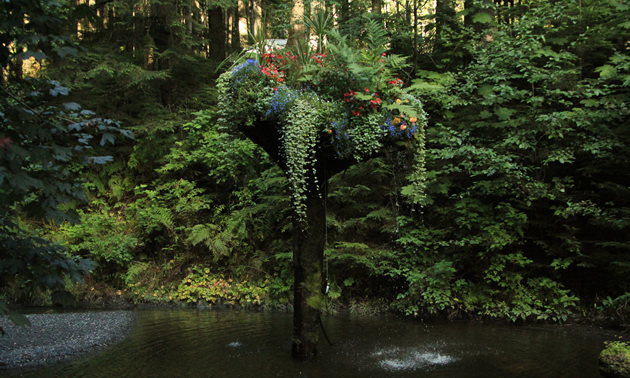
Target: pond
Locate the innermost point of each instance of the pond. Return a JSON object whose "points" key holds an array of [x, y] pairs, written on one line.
{"points": [[192, 343]]}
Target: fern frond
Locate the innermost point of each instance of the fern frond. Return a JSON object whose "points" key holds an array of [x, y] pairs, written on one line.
{"points": [[376, 35], [134, 271], [201, 233], [396, 61]]}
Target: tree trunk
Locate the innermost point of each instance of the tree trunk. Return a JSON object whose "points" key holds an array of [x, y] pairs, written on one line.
{"points": [[345, 13], [308, 242], [297, 22], [469, 7], [217, 33], [473, 9], [161, 33], [236, 34], [446, 25], [308, 257], [445, 15], [376, 6]]}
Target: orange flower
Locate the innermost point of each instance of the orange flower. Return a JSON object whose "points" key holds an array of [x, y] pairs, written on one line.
{"points": [[396, 120], [403, 127]]}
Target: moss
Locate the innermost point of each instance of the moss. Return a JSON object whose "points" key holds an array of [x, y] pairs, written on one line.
{"points": [[614, 360]]}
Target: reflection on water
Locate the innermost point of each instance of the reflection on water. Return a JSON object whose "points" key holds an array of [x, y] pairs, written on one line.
{"points": [[190, 343]]}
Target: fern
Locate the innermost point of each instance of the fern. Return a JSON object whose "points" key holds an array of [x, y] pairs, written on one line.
{"points": [[201, 234], [134, 271], [376, 36]]}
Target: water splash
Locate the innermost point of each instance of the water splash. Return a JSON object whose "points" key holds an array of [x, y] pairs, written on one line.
{"points": [[234, 344], [397, 359]]}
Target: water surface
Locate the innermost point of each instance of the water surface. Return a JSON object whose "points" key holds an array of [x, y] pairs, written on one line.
{"points": [[191, 343]]}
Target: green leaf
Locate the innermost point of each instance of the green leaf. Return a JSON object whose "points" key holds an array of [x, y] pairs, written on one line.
{"points": [[485, 114], [485, 89], [589, 103], [558, 41], [19, 319], [107, 138], [606, 71], [38, 55], [504, 113], [362, 96], [483, 18], [65, 51], [71, 106]]}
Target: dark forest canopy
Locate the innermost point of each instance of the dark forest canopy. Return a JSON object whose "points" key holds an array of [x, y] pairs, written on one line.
{"points": [[525, 212]]}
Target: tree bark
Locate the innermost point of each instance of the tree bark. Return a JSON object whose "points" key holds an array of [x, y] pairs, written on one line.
{"points": [[376, 6], [236, 34], [345, 12], [308, 258], [217, 33], [308, 242], [297, 22], [445, 15]]}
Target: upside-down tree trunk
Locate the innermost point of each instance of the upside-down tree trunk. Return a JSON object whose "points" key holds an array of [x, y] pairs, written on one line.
{"points": [[308, 257], [309, 237]]}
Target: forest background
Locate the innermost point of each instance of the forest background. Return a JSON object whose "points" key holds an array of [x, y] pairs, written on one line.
{"points": [[115, 169]]}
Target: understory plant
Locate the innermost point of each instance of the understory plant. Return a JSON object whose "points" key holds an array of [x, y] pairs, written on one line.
{"points": [[526, 185]]}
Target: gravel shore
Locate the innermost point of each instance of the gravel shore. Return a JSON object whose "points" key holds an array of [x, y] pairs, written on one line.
{"points": [[54, 338]]}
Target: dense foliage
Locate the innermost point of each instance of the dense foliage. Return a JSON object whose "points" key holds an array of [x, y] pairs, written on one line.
{"points": [[524, 212], [45, 145]]}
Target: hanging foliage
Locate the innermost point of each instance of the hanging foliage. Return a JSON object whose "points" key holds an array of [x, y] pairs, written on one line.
{"points": [[339, 98]]}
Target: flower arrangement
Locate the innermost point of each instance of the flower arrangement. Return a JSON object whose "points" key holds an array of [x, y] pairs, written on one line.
{"points": [[352, 101]]}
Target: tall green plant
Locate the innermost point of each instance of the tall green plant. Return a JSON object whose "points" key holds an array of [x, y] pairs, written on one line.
{"points": [[519, 172]]}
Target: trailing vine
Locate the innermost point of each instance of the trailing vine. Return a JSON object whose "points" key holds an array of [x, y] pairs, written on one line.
{"points": [[299, 140]]}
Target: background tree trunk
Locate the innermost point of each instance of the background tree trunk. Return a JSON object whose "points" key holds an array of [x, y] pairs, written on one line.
{"points": [[445, 15], [297, 22], [376, 6], [217, 33]]}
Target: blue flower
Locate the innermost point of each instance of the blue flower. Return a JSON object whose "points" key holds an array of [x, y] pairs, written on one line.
{"points": [[396, 132], [245, 70], [281, 100]]}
